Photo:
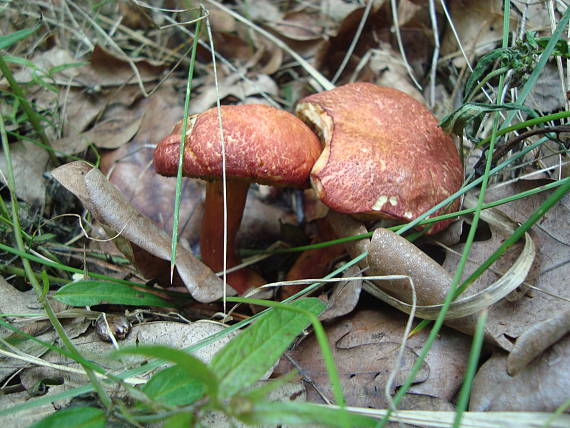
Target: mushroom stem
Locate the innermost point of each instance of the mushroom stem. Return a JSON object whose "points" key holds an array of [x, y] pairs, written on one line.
{"points": [[212, 232]]}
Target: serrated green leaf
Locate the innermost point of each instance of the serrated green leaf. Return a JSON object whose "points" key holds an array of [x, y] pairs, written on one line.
{"points": [[77, 417], [10, 39], [173, 386], [301, 413], [192, 366], [254, 351], [85, 293]]}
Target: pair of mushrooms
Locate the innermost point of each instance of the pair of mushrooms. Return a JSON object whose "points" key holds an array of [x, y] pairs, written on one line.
{"points": [[382, 155]]}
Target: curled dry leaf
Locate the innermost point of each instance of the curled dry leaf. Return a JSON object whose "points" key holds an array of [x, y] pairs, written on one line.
{"points": [[541, 387], [391, 254], [549, 272], [140, 239], [344, 297], [536, 339]]}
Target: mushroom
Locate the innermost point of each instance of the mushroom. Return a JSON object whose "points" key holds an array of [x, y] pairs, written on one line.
{"points": [[262, 144], [384, 153]]}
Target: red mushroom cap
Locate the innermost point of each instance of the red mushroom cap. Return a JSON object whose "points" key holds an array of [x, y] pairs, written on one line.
{"points": [[384, 153], [262, 144]]}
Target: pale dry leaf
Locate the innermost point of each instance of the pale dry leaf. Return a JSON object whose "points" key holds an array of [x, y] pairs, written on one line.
{"points": [[107, 134], [478, 24], [26, 417], [142, 241], [235, 85], [344, 297], [299, 25], [541, 387], [29, 162], [389, 70]]}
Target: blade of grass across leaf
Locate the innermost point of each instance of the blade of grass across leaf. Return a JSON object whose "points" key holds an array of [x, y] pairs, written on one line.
{"points": [[87, 293], [178, 196], [9, 39]]}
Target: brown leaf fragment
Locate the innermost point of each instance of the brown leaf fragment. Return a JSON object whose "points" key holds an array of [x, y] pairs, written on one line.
{"points": [[536, 339], [541, 387], [29, 163], [143, 242], [344, 297]]}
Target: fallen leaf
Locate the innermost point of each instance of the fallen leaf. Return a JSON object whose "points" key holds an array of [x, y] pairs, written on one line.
{"points": [[541, 387], [29, 163], [137, 237], [365, 345]]}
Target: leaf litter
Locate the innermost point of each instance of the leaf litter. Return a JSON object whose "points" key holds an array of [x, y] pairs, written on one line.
{"points": [[102, 106]]}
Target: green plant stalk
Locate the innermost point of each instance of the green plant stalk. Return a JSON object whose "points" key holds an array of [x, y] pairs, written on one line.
{"points": [[526, 124], [14, 270], [488, 77], [33, 116], [544, 57], [42, 298], [459, 213], [557, 413], [472, 364], [178, 195], [321, 338]]}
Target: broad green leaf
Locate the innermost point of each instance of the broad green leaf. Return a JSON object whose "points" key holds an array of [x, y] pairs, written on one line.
{"points": [[192, 366], [10, 39], [173, 386], [85, 293], [302, 413], [254, 351], [77, 417]]}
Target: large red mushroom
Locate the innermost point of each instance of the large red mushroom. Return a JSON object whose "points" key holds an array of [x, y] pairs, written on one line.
{"points": [[384, 153], [262, 144]]}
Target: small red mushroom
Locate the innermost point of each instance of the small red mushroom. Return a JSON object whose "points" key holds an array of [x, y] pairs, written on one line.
{"points": [[262, 144], [384, 153]]}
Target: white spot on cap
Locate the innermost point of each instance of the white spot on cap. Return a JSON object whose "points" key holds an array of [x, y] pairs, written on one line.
{"points": [[408, 214], [393, 201], [380, 203]]}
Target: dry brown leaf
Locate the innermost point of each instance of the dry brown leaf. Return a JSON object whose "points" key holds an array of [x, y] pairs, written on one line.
{"points": [[299, 26], [29, 163], [344, 296], [108, 134], [536, 339], [478, 24], [234, 85], [541, 387], [138, 238], [365, 345]]}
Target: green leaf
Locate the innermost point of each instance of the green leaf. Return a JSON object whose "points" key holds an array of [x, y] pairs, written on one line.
{"points": [[458, 120], [85, 293], [179, 420], [77, 417], [173, 386], [302, 413], [484, 64], [254, 351], [10, 39], [192, 366]]}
